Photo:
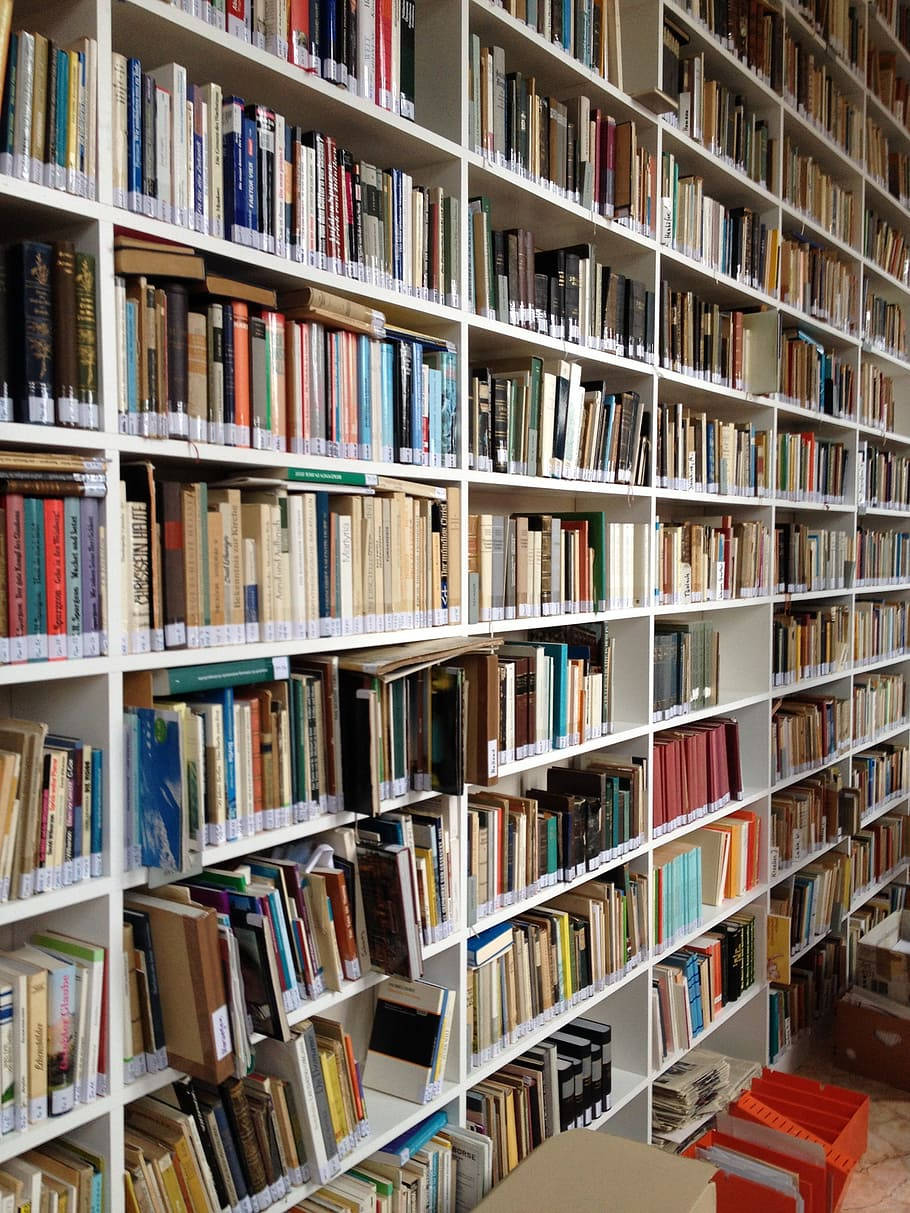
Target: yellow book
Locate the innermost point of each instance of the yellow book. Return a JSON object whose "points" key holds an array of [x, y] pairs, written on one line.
{"points": [[72, 116], [426, 855], [333, 1089]]}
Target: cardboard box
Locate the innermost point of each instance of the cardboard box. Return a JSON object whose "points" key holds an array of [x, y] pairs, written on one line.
{"points": [[873, 1043], [883, 958], [585, 1172]]}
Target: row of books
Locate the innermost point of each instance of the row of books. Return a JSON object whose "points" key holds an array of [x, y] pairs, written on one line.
{"points": [[703, 340], [808, 187], [49, 113], [691, 987], [813, 901], [227, 752], [367, 49], [697, 771], [816, 281], [807, 731], [563, 1083], [880, 775], [52, 809], [48, 340], [841, 27], [879, 703], [544, 421], [595, 933], [700, 453], [862, 919], [729, 240], [564, 293], [213, 360], [887, 478], [811, 87], [267, 184], [571, 146], [886, 246], [62, 1173], [810, 558], [588, 30], [529, 566], [550, 692], [876, 397], [877, 153], [686, 667], [811, 468], [885, 326], [273, 558], [584, 818], [52, 599], [815, 378], [54, 1024], [710, 560], [879, 630], [722, 120], [752, 32], [804, 993], [882, 557], [877, 850], [808, 815], [898, 180], [705, 868], [809, 643], [888, 84]]}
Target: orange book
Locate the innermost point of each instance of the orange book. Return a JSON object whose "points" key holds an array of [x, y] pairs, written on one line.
{"points": [[337, 892], [241, 371]]}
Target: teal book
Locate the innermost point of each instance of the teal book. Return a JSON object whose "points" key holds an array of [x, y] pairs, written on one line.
{"points": [[186, 680], [35, 587]]}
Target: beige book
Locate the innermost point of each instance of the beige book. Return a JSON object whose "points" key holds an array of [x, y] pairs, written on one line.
{"points": [[39, 109], [256, 526], [217, 606]]}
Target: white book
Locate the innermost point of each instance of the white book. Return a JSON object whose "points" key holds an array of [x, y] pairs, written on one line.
{"points": [[366, 49], [25, 83], [172, 78], [297, 565], [213, 98]]}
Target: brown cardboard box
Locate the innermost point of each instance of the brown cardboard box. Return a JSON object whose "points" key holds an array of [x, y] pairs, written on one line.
{"points": [[883, 958], [585, 1172], [872, 1042]]}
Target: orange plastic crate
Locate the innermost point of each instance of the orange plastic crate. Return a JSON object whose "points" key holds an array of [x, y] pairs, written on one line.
{"points": [[841, 1116]]}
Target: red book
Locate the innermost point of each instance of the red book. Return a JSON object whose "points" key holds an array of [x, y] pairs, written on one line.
{"points": [[55, 579], [299, 34], [384, 53], [337, 893], [242, 368], [15, 578], [657, 806], [236, 18]]}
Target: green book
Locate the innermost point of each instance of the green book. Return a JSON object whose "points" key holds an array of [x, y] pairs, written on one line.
{"points": [[328, 476], [185, 680]]}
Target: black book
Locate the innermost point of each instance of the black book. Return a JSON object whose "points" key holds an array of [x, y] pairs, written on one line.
{"points": [[142, 939], [359, 775], [149, 136], [407, 59], [567, 1068], [553, 264], [261, 983], [601, 1037], [580, 1048], [188, 1098], [447, 728], [31, 321], [177, 372]]}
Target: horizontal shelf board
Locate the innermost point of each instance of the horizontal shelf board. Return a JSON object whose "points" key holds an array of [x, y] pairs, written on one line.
{"points": [[492, 339], [622, 734], [807, 684], [721, 709], [750, 796], [14, 1144], [553, 484], [720, 177], [808, 596], [718, 604], [148, 1084], [625, 1086], [880, 663], [209, 53], [20, 199], [787, 782], [24, 908], [54, 671], [861, 896], [493, 627]]}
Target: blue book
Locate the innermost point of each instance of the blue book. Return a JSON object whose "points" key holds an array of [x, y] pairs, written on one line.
{"points": [[250, 181], [232, 159], [132, 354], [486, 945], [160, 789], [396, 1153], [364, 397], [35, 588], [8, 1095], [567, 24], [133, 127], [435, 393], [559, 654], [328, 38], [63, 92], [198, 163], [225, 700], [387, 447], [97, 810], [324, 549]]}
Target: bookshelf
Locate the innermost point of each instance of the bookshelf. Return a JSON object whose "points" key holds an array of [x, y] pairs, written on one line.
{"points": [[85, 696]]}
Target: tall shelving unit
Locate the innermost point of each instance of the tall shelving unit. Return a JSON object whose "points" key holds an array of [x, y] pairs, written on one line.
{"points": [[86, 697]]}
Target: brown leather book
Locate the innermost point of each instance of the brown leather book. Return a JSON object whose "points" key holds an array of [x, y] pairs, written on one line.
{"points": [[238, 1111]]}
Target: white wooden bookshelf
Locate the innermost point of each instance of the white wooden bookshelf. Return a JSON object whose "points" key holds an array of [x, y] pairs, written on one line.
{"points": [[85, 697]]}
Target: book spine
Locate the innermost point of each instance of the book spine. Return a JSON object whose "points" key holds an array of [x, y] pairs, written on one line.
{"points": [[86, 344], [55, 578], [93, 641]]}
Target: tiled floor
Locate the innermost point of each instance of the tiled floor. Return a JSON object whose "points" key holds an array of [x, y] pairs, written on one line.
{"points": [[881, 1181]]}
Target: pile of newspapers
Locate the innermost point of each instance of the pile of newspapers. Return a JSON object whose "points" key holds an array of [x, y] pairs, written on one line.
{"points": [[692, 1091]]}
